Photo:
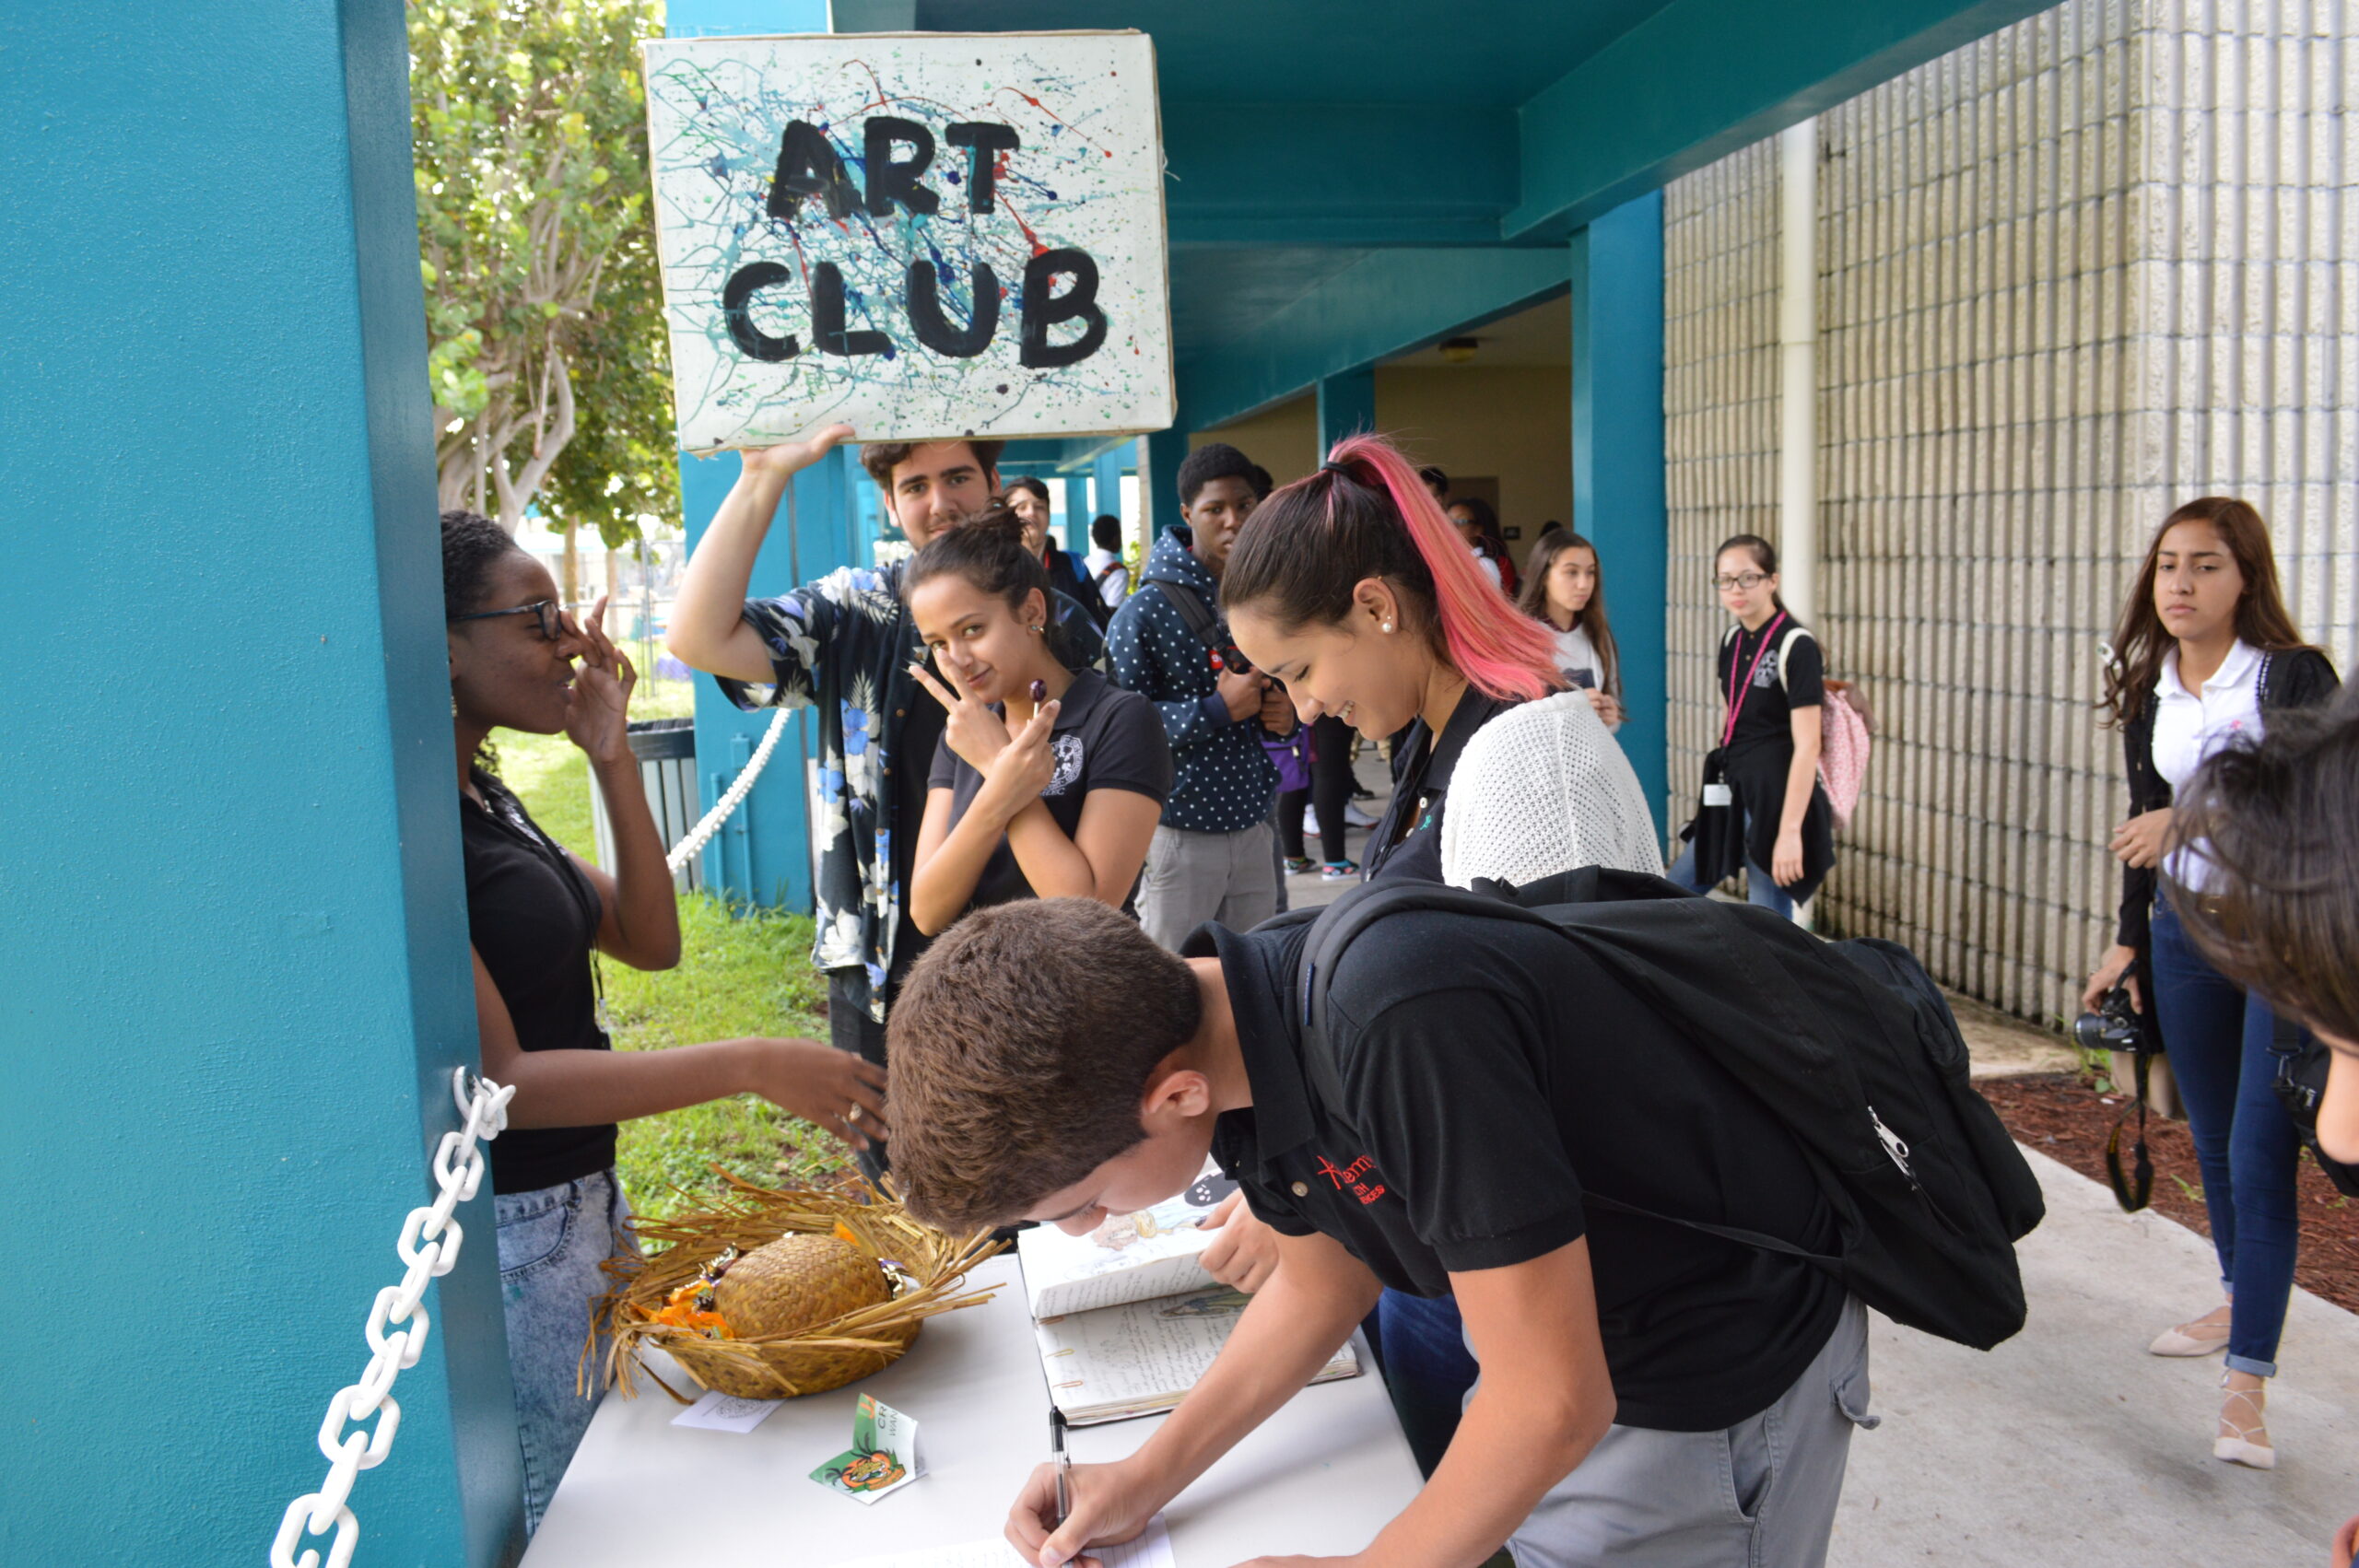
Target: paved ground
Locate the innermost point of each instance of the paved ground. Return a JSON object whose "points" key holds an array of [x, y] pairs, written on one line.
{"points": [[2070, 1445]]}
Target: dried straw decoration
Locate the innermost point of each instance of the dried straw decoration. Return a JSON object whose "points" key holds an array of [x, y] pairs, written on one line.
{"points": [[819, 1357]]}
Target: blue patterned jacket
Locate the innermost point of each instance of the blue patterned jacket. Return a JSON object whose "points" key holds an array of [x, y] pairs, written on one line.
{"points": [[843, 645]]}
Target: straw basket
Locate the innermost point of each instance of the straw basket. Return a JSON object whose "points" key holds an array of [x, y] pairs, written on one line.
{"points": [[813, 1359]]}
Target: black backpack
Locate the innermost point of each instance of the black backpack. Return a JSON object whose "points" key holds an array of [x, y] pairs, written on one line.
{"points": [[1849, 1043]]}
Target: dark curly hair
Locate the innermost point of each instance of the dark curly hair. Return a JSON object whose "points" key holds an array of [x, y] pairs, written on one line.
{"points": [[472, 545]]}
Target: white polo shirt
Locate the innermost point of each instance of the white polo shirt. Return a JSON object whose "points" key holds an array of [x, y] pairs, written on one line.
{"points": [[2190, 726]]}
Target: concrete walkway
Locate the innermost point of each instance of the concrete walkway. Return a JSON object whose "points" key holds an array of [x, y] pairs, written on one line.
{"points": [[2070, 1446]]}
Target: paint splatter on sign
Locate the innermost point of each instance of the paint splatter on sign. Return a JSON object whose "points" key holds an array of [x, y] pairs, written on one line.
{"points": [[922, 235]]}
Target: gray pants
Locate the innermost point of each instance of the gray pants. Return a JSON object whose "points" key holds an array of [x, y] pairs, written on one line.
{"points": [[1194, 877], [1761, 1494]]}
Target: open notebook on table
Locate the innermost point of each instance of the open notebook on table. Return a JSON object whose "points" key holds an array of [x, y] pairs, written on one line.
{"points": [[1127, 1318]]}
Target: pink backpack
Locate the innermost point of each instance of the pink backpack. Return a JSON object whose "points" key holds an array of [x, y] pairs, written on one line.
{"points": [[1846, 730]]}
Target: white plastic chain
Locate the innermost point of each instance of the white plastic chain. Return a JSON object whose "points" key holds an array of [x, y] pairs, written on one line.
{"points": [[428, 1249], [688, 848]]}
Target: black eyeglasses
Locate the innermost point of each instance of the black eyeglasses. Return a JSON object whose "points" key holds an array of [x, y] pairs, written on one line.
{"points": [[546, 611]]}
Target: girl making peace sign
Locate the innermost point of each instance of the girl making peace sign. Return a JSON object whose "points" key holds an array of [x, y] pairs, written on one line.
{"points": [[1048, 781]]}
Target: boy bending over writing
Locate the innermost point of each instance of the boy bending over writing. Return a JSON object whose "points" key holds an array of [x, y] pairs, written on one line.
{"points": [[1662, 1396]]}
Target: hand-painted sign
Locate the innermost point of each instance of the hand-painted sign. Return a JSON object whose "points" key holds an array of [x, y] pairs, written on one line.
{"points": [[922, 235]]}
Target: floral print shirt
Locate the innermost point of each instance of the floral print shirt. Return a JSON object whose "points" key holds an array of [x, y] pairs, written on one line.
{"points": [[843, 645]]}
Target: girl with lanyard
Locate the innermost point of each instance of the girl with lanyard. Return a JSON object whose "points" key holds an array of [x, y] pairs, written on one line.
{"points": [[1047, 782], [1763, 810], [2204, 654], [1353, 589], [535, 913], [1564, 588]]}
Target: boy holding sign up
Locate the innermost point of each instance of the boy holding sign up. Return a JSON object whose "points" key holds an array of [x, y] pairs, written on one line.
{"points": [[843, 644]]}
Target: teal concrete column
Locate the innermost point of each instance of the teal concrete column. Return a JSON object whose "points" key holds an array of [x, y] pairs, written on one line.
{"points": [[1160, 456], [1618, 499], [237, 977], [1347, 407], [763, 855], [1079, 513], [1105, 477]]}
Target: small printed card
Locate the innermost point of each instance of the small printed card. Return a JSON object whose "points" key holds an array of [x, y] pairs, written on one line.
{"points": [[726, 1412], [883, 1456]]}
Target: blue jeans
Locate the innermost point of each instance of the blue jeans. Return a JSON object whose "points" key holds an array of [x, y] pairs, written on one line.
{"points": [[1427, 1369], [1760, 887], [551, 1241], [2217, 1038]]}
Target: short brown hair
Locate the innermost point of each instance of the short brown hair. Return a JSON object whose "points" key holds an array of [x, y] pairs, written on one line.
{"points": [[1019, 1049], [2278, 825], [880, 458]]}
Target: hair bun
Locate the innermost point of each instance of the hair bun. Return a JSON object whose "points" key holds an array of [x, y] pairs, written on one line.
{"points": [[997, 519]]}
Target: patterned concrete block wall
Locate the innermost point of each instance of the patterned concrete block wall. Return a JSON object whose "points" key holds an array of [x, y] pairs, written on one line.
{"points": [[2070, 275], [1719, 416]]}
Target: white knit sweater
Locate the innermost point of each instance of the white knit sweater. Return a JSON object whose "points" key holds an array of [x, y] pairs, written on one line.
{"points": [[1543, 788]]}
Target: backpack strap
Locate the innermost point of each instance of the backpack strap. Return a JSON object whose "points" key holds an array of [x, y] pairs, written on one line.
{"points": [[1208, 628], [1785, 650]]}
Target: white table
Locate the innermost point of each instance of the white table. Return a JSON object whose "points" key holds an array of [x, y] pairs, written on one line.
{"points": [[1320, 1477]]}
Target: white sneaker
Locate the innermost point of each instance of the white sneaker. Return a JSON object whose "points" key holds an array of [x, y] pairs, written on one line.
{"points": [[1355, 817], [1310, 822]]}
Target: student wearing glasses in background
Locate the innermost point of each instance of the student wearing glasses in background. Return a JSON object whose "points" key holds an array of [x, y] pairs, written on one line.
{"points": [[1763, 810]]}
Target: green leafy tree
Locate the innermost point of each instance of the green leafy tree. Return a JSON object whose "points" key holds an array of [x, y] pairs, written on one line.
{"points": [[544, 304]]}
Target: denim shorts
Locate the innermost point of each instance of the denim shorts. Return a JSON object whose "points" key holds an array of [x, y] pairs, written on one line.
{"points": [[552, 1241]]}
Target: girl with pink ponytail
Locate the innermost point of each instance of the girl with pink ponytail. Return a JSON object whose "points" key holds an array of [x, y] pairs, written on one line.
{"points": [[1352, 587]]}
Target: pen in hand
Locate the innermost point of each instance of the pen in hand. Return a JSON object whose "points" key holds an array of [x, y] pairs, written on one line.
{"points": [[1064, 1465]]}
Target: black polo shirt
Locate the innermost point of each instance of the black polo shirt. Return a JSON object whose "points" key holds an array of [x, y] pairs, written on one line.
{"points": [[1767, 716], [1105, 738], [1407, 840], [1490, 1072]]}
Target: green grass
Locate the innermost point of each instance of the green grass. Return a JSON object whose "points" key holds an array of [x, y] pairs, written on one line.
{"points": [[741, 972]]}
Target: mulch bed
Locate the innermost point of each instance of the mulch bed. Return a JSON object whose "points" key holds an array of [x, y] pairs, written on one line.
{"points": [[2064, 1116]]}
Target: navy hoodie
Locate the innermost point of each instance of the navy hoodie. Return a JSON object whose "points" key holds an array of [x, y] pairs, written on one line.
{"points": [[1222, 780]]}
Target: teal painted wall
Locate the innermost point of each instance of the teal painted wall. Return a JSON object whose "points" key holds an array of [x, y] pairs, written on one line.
{"points": [[1618, 497], [230, 901], [1160, 455], [763, 855], [1347, 407]]}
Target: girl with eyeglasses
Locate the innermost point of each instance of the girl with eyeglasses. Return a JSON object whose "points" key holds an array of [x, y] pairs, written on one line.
{"points": [[536, 914], [1761, 810]]}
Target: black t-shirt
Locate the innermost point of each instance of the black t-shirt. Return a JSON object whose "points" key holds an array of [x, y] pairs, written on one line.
{"points": [[1406, 841], [918, 732], [1489, 1073], [534, 919], [1105, 738], [1766, 717]]}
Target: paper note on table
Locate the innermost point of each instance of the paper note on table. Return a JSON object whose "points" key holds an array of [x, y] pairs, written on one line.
{"points": [[1151, 1549], [726, 1412]]}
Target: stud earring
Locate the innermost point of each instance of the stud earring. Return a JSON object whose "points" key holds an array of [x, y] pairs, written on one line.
{"points": [[1388, 626], [1036, 631]]}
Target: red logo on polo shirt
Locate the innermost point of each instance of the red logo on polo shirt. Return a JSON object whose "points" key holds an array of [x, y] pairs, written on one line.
{"points": [[1352, 1177]]}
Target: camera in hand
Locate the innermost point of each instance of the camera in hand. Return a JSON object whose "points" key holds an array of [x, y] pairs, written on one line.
{"points": [[2112, 1027]]}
